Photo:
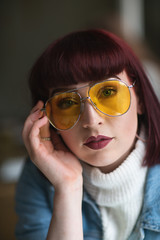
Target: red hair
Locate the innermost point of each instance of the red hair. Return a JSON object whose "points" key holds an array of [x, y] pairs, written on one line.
{"points": [[95, 55]]}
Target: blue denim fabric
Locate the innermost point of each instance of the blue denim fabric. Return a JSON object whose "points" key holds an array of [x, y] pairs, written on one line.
{"points": [[34, 206]]}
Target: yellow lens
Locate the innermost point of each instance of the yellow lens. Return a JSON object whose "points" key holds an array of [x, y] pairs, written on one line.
{"points": [[110, 97], [63, 110]]}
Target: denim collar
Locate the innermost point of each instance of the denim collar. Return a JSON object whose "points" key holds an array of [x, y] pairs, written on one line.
{"points": [[87, 198]]}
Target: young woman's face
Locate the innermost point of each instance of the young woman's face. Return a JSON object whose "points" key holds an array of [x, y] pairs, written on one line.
{"points": [[100, 140]]}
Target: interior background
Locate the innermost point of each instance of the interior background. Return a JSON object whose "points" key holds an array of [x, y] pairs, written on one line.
{"points": [[26, 29]]}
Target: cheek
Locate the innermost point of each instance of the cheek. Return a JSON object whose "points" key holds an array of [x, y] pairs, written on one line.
{"points": [[130, 127], [69, 138], [129, 122]]}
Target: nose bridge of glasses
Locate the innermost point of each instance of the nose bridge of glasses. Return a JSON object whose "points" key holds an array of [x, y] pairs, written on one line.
{"points": [[84, 99]]}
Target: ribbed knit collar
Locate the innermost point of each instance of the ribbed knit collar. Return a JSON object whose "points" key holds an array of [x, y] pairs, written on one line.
{"points": [[121, 184]]}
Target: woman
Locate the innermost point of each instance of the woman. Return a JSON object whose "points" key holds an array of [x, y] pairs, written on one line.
{"points": [[94, 144]]}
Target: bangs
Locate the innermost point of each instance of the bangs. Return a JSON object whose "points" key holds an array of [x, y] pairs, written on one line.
{"points": [[83, 57]]}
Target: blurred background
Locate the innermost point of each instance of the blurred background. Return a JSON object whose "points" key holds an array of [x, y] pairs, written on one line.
{"points": [[27, 28]]}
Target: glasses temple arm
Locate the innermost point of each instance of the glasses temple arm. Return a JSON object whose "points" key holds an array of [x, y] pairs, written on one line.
{"points": [[42, 109], [133, 84]]}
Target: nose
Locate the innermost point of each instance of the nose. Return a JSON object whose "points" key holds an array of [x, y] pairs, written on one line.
{"points": [[90, 117]]}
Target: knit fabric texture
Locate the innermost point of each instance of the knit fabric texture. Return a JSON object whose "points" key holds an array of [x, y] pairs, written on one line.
{"points": [[119, 194]]}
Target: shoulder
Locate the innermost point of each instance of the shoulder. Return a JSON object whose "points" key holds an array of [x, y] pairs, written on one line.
{"points": [[151, 207], [31, 174], [152, 189], [34, 203], [33, 185]]}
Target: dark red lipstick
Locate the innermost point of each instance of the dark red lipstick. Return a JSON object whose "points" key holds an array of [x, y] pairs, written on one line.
{"points": [[98, 142]]}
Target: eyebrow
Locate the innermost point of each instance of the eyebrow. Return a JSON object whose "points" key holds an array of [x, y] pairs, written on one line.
{"points": [[58, 90], [61, 90], [65, 89]]}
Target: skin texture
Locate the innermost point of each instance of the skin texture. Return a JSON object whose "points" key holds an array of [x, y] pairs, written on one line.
{"points": [[121, 129], [61, 165]]}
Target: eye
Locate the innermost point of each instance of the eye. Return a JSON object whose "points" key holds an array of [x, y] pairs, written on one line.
{"points": [[66, 103], [107, 92]]}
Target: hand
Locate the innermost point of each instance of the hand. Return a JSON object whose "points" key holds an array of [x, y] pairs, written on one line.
{"points": [[54, 160]]}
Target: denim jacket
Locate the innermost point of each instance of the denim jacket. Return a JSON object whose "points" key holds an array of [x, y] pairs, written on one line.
{"points": [[34, 206]]}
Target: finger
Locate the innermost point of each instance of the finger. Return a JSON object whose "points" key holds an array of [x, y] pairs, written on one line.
{"points": [[39, 106], [45, 131], [34, 116], [57, 141], [34, 135], [29, 123]]}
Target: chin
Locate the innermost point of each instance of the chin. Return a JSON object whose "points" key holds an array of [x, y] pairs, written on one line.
{"points": [[99, 161]]}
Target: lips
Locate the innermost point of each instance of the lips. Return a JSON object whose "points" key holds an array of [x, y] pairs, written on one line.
{"points": [[98, 142]]}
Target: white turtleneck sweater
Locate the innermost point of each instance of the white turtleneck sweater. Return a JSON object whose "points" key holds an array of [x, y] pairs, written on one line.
{"points": [[119, 194]]}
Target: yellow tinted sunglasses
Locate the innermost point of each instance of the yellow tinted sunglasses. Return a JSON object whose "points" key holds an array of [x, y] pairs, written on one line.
{"points": [[111, 97]]}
